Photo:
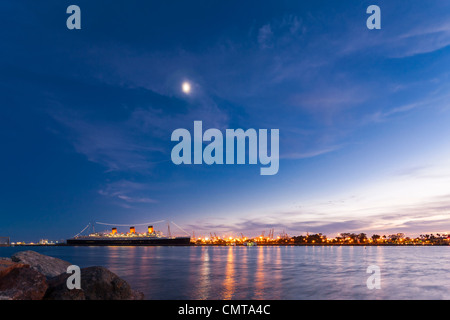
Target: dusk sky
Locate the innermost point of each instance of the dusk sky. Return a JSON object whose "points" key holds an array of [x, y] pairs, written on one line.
{"points": [[87, 115]]}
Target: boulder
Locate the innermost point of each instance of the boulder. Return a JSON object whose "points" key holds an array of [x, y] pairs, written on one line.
{"points": [[48, 266], [23, 283], [97, 283], [7, 265], [29, 275], [57, 290]]}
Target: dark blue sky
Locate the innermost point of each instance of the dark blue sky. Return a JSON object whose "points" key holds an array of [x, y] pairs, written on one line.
{"points": [[86, 115]]}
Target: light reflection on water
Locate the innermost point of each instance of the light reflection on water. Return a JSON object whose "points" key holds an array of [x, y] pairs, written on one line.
{"points": [[285, 272]]}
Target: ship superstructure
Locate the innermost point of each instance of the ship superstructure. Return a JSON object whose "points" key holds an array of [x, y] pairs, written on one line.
{"points": [[130, 238]]}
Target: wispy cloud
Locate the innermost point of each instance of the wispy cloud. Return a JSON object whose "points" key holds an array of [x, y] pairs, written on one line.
{"points": [[265, 36], [428, 216], [127, 192], [310, 154], [108, 144], [425, 37], [141, 139]]}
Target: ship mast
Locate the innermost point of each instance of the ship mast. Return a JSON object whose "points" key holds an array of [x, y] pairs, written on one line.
{"points": [[168, 229]]}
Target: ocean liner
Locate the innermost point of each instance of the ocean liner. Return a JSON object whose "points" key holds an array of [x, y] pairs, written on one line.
{"points": [[131, 238]]}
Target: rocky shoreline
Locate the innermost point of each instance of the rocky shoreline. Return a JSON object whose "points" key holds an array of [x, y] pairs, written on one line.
{"points": [[28, 275]]}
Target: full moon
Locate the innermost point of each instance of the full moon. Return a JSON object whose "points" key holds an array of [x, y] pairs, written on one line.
{"points": [[186, 87]]}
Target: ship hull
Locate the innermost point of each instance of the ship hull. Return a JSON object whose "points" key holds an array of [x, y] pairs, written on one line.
{"points": [[179, 241]]}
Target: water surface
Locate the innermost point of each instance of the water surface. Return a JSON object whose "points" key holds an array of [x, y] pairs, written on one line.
{"points": [[285, 272]]}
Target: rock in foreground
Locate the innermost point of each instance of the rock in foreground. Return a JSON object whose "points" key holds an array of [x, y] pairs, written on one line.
{"points": [[48, 266], [7, 265], [97, 283], [29, 275], [23, 283]]}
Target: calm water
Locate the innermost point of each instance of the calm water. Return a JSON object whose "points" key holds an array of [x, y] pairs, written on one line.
{"points": [[269, 272]]}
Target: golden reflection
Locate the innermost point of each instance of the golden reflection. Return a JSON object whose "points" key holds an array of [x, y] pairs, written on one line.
{"points": [[338, 266], [138, 258], [277, 274], [379, 257], [113, 256], [259, 275], [230, 280], [243, 265], [205, 275]]}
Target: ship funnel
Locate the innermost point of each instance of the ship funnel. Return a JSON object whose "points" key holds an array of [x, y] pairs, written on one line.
{"points": [[150, 229], [114, 231], [132, 230]]}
